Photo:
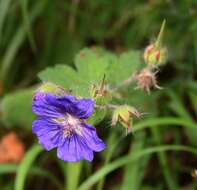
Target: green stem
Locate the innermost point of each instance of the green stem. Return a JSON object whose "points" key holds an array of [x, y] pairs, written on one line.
{"points": [[123, 84], [12, 168], [108, 157], [128, 159], [149, 123], [163, 162]]}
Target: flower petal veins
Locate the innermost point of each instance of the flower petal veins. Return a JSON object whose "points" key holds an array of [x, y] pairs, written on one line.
{"points": [[60, 124]]}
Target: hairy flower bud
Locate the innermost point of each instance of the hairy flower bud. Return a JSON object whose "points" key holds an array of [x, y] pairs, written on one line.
{"points": [[48, 87], [155, 56], [123, 114], [146, 80], [100, 94]]}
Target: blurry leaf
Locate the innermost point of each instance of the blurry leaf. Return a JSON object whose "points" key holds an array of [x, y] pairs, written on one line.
{"points": [[8, 168], [112, 142], [134, 172], [8, 186], [177, 105], [12, 168], [166, 169], [123, 67], [193, 98], [27, 23], [128, 159], [16, 109], [25, 165], [164, 121], [17, 40], [4, 6]]}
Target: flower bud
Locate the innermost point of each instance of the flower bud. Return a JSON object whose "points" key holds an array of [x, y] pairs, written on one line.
{"points": [[123, 114], [48, 87], [155, 56], [146, 80]]}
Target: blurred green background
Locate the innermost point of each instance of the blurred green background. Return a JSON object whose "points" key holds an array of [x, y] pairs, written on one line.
{"points": [[35, 34]]}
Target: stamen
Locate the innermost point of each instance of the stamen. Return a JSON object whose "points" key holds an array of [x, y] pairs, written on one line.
{"points": [[67, 132], [70, 125]]}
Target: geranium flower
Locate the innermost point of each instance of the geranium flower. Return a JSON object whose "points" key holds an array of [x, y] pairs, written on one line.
{"points": [[61, 124]]}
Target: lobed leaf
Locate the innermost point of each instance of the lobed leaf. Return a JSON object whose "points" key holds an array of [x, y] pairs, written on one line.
{"points": [[16, 108]]}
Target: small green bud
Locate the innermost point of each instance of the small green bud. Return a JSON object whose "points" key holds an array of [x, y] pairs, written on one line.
{"points": [[155, 54], [48, 87], [123, 114]]}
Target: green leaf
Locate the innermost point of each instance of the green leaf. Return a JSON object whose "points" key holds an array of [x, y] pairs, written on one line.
{"points": [[16, 108], [66, 77], [62, 75], [25, 165], [128, 159], [27, 23], [4, 7], [17, 40], [8, 168], [193, 98], [134, 172], [123, 67], [12, 168], [97, 116], [91, 65], [163, 121], [179, 108]]}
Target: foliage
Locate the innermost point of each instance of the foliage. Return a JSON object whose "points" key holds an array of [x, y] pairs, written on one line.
{"points": [[44, 40]]}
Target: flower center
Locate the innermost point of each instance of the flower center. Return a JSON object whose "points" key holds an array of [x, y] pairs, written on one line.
{"points": [[70, 125]]}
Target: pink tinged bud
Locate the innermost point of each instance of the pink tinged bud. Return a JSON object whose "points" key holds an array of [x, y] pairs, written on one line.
{"points": [[158, 55], [154, 56], [124, 115], [146, 80]]}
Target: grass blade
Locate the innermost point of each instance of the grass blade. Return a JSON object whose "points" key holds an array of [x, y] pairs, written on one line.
{"points": [[128, 159], [168, 175], [17, 40], [25, 165], [12, 168], [27, 23], [4, 6], [134, 171]]}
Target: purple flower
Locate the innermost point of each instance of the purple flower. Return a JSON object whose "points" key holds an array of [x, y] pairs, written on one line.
{"points": [[61, 124]]}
